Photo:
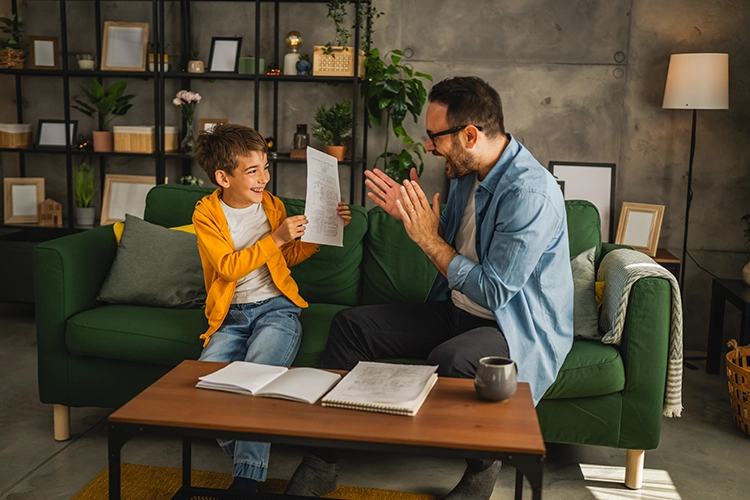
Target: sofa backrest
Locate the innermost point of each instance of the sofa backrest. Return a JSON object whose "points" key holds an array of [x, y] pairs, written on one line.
{"points": [[172, 205], [584, 227]]}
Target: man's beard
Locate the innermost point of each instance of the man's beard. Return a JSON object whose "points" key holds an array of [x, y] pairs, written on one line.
{"points": [[460, 161]]}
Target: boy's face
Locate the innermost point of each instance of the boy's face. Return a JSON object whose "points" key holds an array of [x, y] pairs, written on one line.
{"points": [[245, 185]]}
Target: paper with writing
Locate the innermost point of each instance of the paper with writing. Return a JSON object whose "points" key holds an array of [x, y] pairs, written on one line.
{"points": [[370, 382], [324, 226]]}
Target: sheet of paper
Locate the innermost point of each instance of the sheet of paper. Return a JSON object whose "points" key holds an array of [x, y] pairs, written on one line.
{"points": [[371, 382], [324, 226], [243, 376], [300, 384]]}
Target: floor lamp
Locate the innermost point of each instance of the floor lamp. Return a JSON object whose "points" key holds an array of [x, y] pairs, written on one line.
{"points": [[695, 81]]}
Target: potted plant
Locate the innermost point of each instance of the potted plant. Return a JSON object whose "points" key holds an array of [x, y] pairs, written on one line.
{"points": [[83, 177], [303, 65], [195, 65], [11, 53], [104, 102], [334, 127]]}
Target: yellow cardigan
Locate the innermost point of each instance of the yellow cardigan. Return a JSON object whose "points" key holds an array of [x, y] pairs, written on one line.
{"points": [[223, 266]]}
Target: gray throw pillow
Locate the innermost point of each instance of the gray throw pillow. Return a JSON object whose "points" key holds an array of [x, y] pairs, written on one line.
{"points": [[155, 266], [586, 316]]}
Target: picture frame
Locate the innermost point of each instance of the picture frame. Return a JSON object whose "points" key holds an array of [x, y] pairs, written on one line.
{"points": [[640, 226], [594, 182], [43, 52], [51, 134], [210, 123], [22, 196], [125, 194], [225, 54], [124, 46]]}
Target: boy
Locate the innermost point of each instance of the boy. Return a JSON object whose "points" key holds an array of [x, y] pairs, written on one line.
{"points": [[247, 244]]}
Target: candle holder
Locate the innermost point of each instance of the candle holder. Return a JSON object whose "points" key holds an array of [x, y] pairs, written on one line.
{"points": [[86, 61]]}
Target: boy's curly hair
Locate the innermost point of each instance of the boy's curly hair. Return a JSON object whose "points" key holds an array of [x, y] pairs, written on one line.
{"points": [[220, 147]]}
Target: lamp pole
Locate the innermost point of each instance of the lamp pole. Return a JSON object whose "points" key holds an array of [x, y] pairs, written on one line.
{"points": [[687, 204]]}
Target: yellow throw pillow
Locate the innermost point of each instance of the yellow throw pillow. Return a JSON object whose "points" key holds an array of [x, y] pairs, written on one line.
{"points": [[118, 228], [599, 294]]}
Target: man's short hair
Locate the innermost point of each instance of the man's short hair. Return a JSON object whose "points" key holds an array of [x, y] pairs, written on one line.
{"points": [[470, 101], [220, 147]]}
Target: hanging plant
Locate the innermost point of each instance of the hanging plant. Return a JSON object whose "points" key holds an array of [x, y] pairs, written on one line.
{"points": [[338, 12]]}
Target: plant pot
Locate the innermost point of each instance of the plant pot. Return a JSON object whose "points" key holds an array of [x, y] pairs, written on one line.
{"points": [[103, 141], [746, 274], [336, 151], [85, 216], [195, 66]]}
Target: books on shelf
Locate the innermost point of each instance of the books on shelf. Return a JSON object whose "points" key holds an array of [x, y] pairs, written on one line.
{"points": [[383, 387], [305, 385]]}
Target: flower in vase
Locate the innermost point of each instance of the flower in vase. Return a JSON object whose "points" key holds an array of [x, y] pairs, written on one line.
{"points": [[187, 101]]}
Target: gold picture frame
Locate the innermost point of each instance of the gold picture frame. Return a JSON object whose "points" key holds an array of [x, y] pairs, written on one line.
{"points": [[210, 123], [124, 46], [640, 226], [125, 194], [43, 52], [22, 196]]}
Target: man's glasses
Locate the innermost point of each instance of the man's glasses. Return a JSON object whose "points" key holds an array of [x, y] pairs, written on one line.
{"points": [[450, 131]]}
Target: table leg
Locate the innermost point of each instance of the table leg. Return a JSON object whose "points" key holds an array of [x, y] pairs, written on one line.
{"points": [[519, 485], [187, 465], [115, 440], [715, 333], [531, 467]]}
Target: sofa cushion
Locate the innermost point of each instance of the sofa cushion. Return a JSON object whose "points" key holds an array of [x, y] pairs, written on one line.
{"points": [[333, 275], [155, 335], [590, 369], [585, 311], [584, 227], [394, 268], [154, 266], [316, 320]]}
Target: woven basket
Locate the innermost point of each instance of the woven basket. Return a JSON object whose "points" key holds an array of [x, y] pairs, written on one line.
{"points": [[12, 58], [738, 376]]}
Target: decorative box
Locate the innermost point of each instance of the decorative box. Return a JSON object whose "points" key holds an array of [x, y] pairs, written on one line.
{"points": [[15, 135], [339, 63], [140, 139]]}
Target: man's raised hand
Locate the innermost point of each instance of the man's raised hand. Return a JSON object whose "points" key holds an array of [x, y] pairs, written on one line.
{"points": [[384, 191]]}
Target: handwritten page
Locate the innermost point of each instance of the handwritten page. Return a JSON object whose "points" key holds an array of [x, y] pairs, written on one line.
{"points": [[324, 226], [371, 382]]}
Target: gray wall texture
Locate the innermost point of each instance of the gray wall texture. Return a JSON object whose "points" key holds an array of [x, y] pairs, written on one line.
{"points": [[581, 80]]}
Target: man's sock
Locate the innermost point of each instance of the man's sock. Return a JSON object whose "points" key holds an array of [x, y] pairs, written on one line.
{"points": [[244, 485], [313, 478], [478, 480]]}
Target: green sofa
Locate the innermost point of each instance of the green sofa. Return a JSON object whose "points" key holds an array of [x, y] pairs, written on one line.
{"points": [[96, 354]]}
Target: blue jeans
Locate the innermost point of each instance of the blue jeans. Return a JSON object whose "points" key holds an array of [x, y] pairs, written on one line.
{"points": [[267, 332]]}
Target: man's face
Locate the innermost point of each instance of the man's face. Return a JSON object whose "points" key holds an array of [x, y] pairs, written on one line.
{"points": [[458, 160]]}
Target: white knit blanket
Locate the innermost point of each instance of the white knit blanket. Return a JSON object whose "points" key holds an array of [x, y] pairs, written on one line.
{"points": [[620, 269]]}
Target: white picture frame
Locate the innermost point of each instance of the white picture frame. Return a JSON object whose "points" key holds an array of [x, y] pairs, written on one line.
{"points": [[225, 55], [594, 182], [125, 194], [208, 124], [640, 226], [51, 134], [43, 52], [124, 46], [21, 197]]}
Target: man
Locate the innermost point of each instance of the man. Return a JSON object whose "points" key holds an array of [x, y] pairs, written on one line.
{"points": [[504, 286]]}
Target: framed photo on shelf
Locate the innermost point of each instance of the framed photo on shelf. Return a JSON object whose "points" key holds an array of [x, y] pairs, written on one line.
{"points": [[22, 196], [210, 123], [125, 194], [640, 226], [594, 182], [51, 134], [225, 55], [43, 52], [124, 46]]}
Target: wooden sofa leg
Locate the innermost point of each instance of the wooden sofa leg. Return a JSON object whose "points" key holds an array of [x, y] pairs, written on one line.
{"points": [[634, 469], [61, 422]]}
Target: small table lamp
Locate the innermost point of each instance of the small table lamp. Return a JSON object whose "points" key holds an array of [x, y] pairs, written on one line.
{"points": [[695, 81], [293, 41]]}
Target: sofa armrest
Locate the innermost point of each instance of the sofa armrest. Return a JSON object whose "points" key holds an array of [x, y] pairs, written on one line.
{"points": [[608, 247], [68, 273]]}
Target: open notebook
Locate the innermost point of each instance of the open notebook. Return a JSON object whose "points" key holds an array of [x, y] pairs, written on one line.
{"points": [[306, 385], [383, 387]]}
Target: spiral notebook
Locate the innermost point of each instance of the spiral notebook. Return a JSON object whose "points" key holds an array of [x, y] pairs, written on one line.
{"points": [[383, 387]]}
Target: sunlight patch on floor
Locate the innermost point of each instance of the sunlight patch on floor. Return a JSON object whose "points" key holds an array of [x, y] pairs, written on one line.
{"points": [[657, 484]]}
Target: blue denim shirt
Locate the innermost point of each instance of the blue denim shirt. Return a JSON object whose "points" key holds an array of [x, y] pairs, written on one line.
{"points": [[524, 274]]}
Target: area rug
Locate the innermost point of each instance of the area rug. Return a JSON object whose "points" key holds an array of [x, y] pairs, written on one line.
{"points": [[141, 482]]}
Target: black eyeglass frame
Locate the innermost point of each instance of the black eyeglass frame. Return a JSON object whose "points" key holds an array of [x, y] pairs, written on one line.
{"points": [[451, 131]]}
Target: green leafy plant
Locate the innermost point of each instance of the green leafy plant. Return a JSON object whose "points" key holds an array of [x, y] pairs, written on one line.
{"points": [[391, 92], [334, 124], [104, 102], [13, 27], [303, 57], [195, 54], [189, 180], [338, 12], [83, 177]]}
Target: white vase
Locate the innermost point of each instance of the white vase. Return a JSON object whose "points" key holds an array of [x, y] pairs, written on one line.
{"points": [[85, 216], [746, 274]]}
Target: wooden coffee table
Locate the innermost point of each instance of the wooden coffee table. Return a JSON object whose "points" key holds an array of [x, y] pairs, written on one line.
{"points": [[452, 422]]}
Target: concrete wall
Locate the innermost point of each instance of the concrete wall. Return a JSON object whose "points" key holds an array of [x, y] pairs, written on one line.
{"points": [[582, 80]]}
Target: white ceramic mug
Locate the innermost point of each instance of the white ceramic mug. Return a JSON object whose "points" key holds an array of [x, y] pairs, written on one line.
{"points": [[496, 378]]}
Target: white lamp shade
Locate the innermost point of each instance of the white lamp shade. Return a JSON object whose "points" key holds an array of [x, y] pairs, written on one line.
{"points": [[697, 81]]}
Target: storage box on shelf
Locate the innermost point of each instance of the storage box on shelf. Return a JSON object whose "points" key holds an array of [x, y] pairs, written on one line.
{"points": [[340, 62], [15, 135], [140, 139]]}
